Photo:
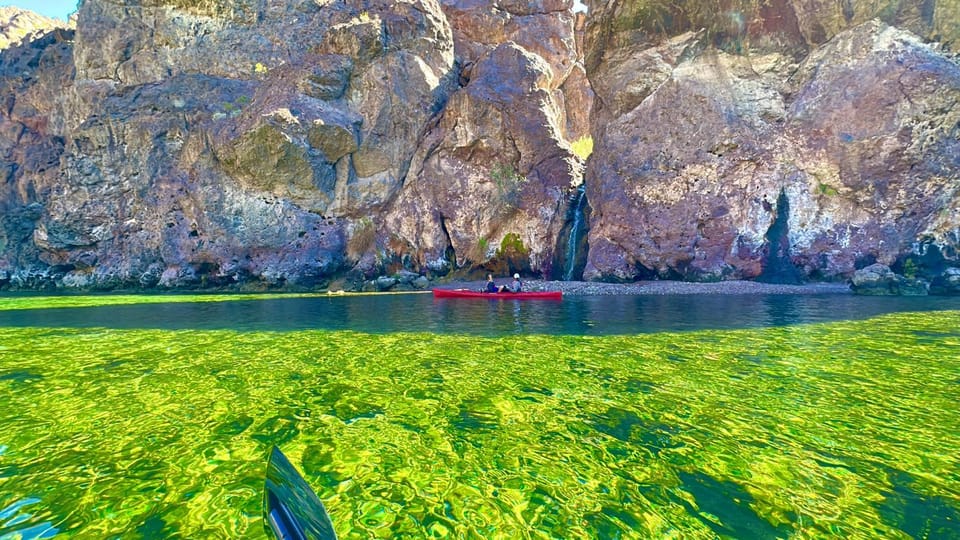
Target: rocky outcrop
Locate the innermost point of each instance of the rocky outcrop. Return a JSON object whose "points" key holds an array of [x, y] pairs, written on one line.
{"points": [[17, 24], [177, 144], [494, 165], [544, 28], [293, 142], [496, 168], [704, 129], [880, 280], [947, 284]]}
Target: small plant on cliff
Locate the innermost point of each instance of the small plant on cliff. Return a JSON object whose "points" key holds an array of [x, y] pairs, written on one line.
{"points": [[509, 184], [513, 254], [479, 252], [512, 245], [582, 147], [362, 238], [829, 191], [910, 269]]}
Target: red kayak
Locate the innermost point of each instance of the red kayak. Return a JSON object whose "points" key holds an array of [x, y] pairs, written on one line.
{"points": [[467, 293]]}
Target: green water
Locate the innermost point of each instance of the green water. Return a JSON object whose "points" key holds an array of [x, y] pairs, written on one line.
{"points": [[840, 429]]}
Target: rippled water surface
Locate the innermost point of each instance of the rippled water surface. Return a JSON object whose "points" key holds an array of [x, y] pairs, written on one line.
{"points": [[604, 417]]}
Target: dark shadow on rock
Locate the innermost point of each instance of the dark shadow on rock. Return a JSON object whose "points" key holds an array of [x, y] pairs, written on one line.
{"points": [[778, 268]]}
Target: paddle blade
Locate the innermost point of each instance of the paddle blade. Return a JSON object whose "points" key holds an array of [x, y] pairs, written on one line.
{"points": [[291, 510]]}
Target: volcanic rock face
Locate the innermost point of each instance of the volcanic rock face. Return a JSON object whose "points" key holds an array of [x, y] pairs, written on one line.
{"points": [[701, 132], [495, 164], [285, 143], [207, 147], [281, 143]]}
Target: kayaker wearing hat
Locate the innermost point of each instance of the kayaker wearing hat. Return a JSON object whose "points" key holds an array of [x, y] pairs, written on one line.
{"points": [[515, 286]]}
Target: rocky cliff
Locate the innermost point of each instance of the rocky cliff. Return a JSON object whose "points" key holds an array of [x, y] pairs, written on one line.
{"points": [[283, 143], [307, 143], [775, 140]]}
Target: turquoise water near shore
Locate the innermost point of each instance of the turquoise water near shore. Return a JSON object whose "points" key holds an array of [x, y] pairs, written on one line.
{"points": [[611, 418]]}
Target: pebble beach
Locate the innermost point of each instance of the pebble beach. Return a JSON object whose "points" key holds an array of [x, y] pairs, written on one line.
{"points": [[589, 288]]}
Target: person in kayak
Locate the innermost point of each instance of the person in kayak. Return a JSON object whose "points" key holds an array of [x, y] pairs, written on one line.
{"points": [[491, 286], [515, 286]]}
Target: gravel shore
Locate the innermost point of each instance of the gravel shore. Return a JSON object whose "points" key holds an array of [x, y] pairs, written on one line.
{"points": [[589, 288]]}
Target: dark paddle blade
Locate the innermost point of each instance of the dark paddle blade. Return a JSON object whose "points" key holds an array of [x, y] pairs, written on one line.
{"points": [[291, 510]]}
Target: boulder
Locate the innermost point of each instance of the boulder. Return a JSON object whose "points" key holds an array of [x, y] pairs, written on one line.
{"points": [[880, 280], [406, 277], [385, 283], [913, 286], [875, 280], [947, 284]]}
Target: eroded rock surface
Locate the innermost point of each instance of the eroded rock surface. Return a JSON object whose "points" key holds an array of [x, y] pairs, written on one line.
{"points": [[699, 130], [282, 144], [292, 142], [495, 164]]}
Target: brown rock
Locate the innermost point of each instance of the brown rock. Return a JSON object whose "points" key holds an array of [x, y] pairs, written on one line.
{"points": [[494, 165], [205, 141], [360, 39], [333, 140], [543, 28], [693, 146], [328, 77], [267, 159]]}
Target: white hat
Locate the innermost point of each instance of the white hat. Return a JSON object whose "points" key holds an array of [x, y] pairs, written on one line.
{"points": [[516, 276]]}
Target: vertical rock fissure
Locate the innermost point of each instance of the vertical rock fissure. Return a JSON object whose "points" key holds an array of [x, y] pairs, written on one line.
{"points": [[450, 253], [778, 268]]}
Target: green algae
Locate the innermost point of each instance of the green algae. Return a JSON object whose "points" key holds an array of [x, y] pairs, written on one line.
{"points": [[67, 301], [842, 429], [62, 301]]}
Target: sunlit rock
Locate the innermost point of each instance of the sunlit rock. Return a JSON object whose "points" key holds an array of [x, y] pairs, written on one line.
{"points": [[700, 126]]}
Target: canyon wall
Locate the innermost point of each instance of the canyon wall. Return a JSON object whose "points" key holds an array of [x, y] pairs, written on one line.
{"points": [[283, 143], [775, 140], [302, 144]]}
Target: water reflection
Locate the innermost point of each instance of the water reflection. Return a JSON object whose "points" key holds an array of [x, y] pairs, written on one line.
{"points": [[782, 311], [577, 315]]}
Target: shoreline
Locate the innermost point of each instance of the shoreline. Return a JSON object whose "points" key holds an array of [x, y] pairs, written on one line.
{"points": [[662, 287]]}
